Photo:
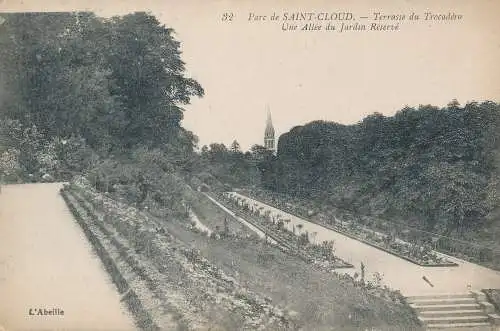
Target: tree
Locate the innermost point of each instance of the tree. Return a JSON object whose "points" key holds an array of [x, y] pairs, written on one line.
{"points": [[127, 69], [204, 150], [148, 73], [235, 147], [104, 86], [453, 104], [259, 152], [437, 165]]}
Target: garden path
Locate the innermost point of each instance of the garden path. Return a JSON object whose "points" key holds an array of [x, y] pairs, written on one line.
{"points": [[47, 262], [396, 272]]}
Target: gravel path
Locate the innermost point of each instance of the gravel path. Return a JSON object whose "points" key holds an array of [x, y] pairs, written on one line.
{"points": [[46, 262]]}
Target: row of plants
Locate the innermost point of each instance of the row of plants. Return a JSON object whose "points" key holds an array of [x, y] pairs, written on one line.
{"points": [[295, 241], [417, 252]]}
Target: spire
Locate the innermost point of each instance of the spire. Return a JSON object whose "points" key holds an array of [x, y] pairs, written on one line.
{"points": [[269, 141], [269, 120], [269, 133]]}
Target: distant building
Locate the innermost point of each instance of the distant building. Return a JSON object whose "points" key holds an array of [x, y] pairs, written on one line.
{"points": [[269, 140]]}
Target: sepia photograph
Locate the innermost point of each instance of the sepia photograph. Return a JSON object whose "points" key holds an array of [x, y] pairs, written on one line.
{"points": [[234, 165]]}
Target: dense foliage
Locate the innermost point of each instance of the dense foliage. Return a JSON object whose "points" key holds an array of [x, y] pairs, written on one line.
{"points": [[81, 93], [435, 167], [222, 167], [117, 81]]}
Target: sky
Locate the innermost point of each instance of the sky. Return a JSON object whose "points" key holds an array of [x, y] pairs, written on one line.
{"points": [[245, 66]]}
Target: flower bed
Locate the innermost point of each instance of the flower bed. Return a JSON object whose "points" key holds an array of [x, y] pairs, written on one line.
{"points": [[421, 255], [320, 255]]}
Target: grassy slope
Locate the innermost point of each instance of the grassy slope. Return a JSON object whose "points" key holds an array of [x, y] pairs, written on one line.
{"points": [[321, 300], [212, 216]]}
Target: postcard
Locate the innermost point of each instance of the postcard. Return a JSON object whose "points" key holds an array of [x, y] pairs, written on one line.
{"points": [[249, 165]]}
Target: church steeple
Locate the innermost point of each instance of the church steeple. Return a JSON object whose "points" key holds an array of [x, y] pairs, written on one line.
{"points": [[269, 132]]}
